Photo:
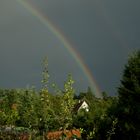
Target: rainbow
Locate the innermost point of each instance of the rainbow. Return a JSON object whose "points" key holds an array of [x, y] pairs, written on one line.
{"points": [[46, 22]]}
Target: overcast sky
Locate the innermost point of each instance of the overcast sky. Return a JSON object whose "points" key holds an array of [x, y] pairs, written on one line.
{"points": [[104, 32]]}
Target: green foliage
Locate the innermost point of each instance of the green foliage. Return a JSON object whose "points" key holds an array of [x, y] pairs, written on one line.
{"points": [[108, 118], [45, 75], [98, 121], [129, 95], [67, 103], [8, 107], [27, 108]]}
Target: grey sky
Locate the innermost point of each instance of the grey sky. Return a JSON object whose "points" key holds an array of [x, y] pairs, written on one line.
{"points": [[103, 31]]}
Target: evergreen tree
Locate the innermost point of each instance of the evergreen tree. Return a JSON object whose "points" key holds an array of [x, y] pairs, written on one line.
{"points": [[129, 95]]}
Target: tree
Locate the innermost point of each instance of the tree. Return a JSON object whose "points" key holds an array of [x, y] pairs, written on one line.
{"points": [[28, 108], [67, 103], [129, 95], [45, 103], [9, 102], [98, 121]]}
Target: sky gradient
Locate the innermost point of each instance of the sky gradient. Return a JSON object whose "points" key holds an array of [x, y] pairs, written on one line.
{"points": [[102, 32]]}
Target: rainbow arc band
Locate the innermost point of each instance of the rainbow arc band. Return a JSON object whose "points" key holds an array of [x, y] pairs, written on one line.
{"points": [[46, 22]]}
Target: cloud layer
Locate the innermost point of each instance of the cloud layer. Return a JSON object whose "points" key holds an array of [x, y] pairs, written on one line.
{"points": [[103, 32]]}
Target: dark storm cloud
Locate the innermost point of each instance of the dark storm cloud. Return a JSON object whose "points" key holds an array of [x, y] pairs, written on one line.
{"points": [[24, 42], [103, 32]]}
